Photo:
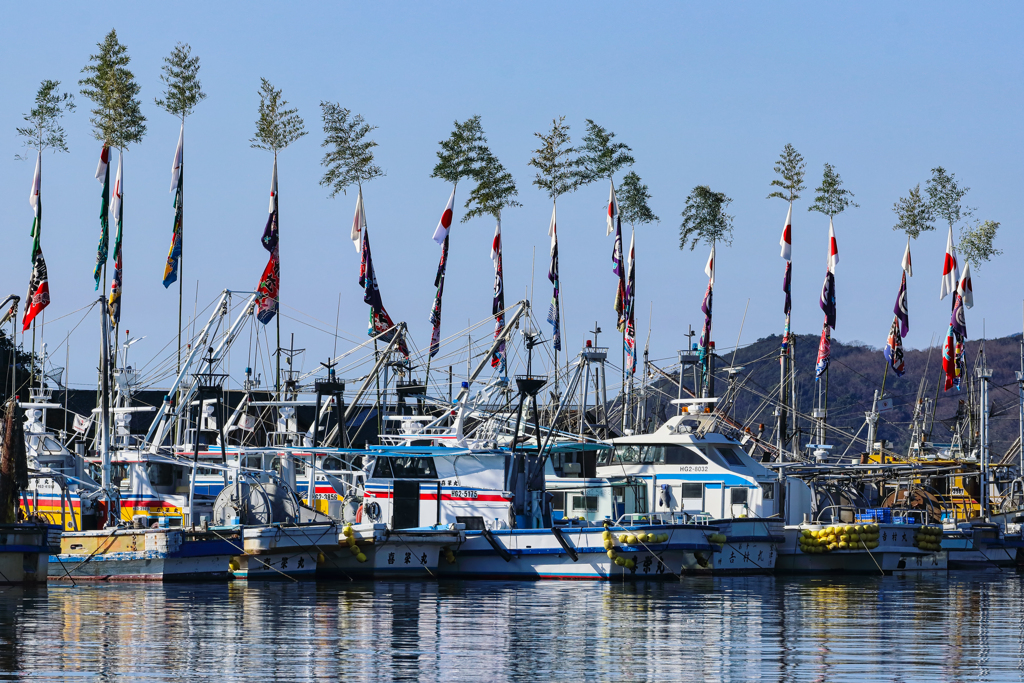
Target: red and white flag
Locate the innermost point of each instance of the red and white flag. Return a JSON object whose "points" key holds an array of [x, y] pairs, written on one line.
{"points": [[101, 168], [613, 210], [358, 223], [907, 267], [965, 288], [446, 220], [787, 236], [950, 269], [833, 248], [176, 164], [117, 195], [709, 269]]}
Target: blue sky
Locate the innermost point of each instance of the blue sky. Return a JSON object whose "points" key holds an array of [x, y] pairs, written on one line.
{"points": [[704, 94]]}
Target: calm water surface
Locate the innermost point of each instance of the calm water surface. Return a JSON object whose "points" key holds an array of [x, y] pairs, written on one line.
{"points": [[965, 627]]}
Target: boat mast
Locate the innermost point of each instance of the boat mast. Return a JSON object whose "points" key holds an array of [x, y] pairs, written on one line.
{"points": [[104, 444]]}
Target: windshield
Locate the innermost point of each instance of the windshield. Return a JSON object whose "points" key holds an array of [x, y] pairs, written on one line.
{"points": [[658, 454]]}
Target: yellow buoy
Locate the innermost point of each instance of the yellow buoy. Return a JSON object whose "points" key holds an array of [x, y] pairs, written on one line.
{"points": [[621, 561], [606, 535], [361, 557], [347, 530], [354, 549], [611, 555], [320, 558], [609, 544], [630, 563]]}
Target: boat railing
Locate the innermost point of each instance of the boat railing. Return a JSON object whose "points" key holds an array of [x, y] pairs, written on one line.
{"points": [[661, 518]]}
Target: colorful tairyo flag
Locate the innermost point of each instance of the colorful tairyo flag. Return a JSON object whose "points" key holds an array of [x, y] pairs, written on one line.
{"points": [[629, 340], [786, 242], [380, 321], [958, 320], [950, 269], [787, 286], [443, 225], [824, 351], [704, 345], [901, 309], [827, 301], [619, 269], [498, 305], [435, 312], [103, 175], [177, 180], [117, 213], [965, 288], [38, 296], [894, 348], [952, 352], [269, 290], [553, 312], [613, 210]]}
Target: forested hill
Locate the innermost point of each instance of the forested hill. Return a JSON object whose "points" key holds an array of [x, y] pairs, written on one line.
{"points": [[856, 372]]}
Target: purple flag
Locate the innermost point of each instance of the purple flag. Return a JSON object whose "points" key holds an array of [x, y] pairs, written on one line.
{"points": [[786, 287], [901, 309], [828, 299]]}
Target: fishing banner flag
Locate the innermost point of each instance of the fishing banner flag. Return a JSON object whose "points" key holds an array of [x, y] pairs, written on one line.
{"points": [[958, 320], [894, 349], [553, 312], [619, 269], [824, 351], [787, 236], [380, 321], [103, 175], [498, 305], [952, 352], [950, 269], [117, 212], [269, 290], [441, 232], [787, 283], [174, 253], [358, 222], [38, 296], [629, 340], [907, 266], [965, 288], [435, 312], [901, 309], [833, 248], [827, 302], [613, 210]]}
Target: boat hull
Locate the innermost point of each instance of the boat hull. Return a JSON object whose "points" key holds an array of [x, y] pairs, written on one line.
{"points": [[24, 552], [751, 546], [895, 554], [143, 555], [535, 554]]}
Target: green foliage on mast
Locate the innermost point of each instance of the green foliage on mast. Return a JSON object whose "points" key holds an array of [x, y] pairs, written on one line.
{"points": [[705, 219], [117, 119], [553, 160], [349, 159], [790, 168], [633, 197], [832, 198], [183, 90], [914, 214], [277, 127], [44, 130], [600, 157], [494, 189], [945, 197], [976, 246], [460, 154]]}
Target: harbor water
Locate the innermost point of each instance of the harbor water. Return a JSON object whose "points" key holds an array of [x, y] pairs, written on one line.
{"points": [[961, 627]]}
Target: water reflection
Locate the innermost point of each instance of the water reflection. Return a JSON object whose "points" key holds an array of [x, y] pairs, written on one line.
{"points": [[966, 627]]}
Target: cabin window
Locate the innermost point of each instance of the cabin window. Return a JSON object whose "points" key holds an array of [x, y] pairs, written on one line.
{"points": [[731, 457], [738, 496], [252, 462], [557, 501], [332, 464], [382, 469], [692, 491], [588, 503], [51, 446], [768, 491], [627, 453], [160, 474], [413, 468]]}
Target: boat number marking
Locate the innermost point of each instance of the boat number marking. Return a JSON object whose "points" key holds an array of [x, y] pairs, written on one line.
{"points": [[693, 468], [459, 493]]}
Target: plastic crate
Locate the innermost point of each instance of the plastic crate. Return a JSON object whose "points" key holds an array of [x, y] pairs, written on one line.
{"points": [[877, 515]]}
